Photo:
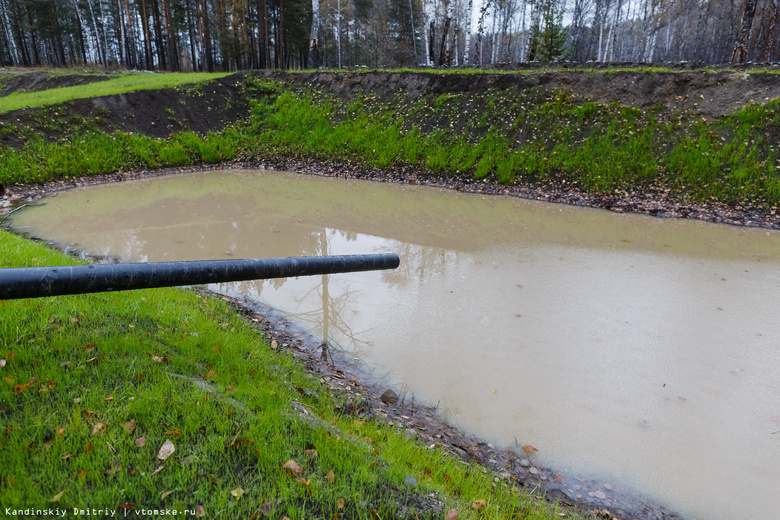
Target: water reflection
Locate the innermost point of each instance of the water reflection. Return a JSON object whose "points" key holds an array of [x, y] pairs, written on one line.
{"points": [[639, 349]]}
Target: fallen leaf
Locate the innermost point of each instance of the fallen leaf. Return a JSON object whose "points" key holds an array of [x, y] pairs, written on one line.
{"points": [[140, 377], [156, 471], [200, 511], [140, 442], [233, 442], [451, 515], [2, 363], [274, 344], [529, 449], [82, 474], [341, 502], [311, 453], [331, 477], [89, 347], [292, 468], [166, 450], [157, 359], [479, 504], [558, 478], [90, 360], [238, 492], [57, 497], [99, 428], [59, 432], [129, 426], [89, 413], [254, 515], [18, 389], [109, 398], [174, 433], [165, 494], [210, 375], [65, 456], [267, 508], [88, 448], [375, 515]]}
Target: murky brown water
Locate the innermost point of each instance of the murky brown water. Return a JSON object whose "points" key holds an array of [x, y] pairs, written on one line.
{"points": [[644, 351]]}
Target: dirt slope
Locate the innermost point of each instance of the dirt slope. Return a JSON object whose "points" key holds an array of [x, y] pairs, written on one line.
{"points": [[714, 94], [210, 107]]}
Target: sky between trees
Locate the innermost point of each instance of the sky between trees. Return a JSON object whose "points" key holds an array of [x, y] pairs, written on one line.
{"points": [[212, 35]]}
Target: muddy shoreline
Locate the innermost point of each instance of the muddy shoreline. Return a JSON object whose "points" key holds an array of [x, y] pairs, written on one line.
{"points": [[365, 398]]}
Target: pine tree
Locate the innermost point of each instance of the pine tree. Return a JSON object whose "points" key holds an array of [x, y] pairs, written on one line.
{"points": [[549, 38]]}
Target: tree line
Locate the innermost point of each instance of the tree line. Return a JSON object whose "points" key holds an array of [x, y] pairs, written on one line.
{"points": [[209, 35]]}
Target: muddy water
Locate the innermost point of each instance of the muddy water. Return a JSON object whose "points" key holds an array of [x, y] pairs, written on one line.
{"points": [[645, 352]]}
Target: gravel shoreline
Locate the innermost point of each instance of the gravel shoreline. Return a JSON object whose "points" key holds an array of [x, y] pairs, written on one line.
{"points": [[367, 399]]}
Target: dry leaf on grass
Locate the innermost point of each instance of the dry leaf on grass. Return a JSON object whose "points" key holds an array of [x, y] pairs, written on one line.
{"points": [[478, 504], [129, 426], [57, 497], [200, 511], [166, 450], [331, 477], [140, 442], [292, 468], [451, 515], [238, 492], [99, 428]]}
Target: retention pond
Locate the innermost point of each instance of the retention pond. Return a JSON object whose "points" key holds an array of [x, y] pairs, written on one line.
{"points": [[640, 351]]}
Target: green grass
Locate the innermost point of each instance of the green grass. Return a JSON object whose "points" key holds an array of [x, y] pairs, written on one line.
{"points": [[93, 386], [121, 84], [506, 136]]}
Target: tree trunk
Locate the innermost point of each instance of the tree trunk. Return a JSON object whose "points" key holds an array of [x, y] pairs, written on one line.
{"points": [[130, 37], [442, 53], [122, 47], [171, 40], [148, 56], [158, 36], [280, 36], [191, 32], [467, 38], [740, 47]]}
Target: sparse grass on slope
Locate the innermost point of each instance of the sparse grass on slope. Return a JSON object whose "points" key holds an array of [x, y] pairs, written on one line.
{"points": [[96, 389], [121, 84]]}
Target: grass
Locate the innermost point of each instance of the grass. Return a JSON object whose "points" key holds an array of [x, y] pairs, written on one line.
{"points": [[121, 84], [94, 386], [505, 136]]}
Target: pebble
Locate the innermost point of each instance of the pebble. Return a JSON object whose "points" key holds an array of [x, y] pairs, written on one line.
{"points": [[389, 397], [533, 471], [525, 463], [410, 481]]}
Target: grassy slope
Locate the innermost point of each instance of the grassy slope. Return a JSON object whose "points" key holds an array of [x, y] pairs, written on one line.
{"points": [[123, 83], [509, 136], [85, 377]]}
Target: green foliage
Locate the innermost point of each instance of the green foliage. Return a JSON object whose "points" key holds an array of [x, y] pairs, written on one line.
{"points": [[548, 40]]}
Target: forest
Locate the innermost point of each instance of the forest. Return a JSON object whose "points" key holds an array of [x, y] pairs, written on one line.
{"points": [[227, 35]]}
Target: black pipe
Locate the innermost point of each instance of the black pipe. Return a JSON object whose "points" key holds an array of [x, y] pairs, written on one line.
{"points": [[35, 282]]}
